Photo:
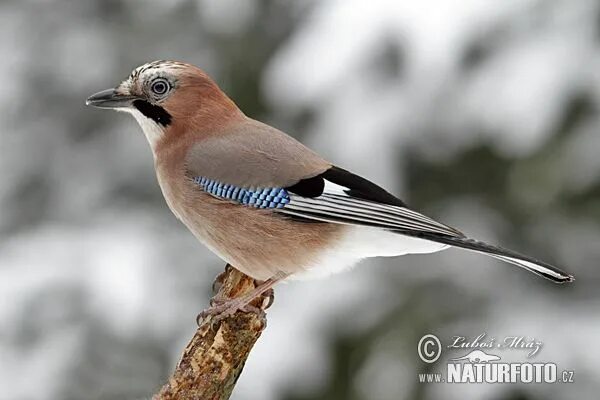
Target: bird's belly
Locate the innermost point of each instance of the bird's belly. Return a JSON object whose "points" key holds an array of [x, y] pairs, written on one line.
{"points": [[359, 242]]}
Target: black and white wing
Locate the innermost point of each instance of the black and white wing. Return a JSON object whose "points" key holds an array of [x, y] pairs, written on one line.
{"points": [[339, 196]]}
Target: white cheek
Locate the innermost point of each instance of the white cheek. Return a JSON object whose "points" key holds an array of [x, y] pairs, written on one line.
{"points": [[152, 130]]}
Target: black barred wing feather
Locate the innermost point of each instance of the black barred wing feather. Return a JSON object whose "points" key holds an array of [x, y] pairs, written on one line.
{"points": [[339, 196]]}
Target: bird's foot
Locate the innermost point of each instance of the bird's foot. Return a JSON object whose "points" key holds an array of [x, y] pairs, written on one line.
{"points": [[221, 308]]}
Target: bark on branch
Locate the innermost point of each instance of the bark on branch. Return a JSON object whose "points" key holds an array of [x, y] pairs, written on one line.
{"points": [[213, 360]]}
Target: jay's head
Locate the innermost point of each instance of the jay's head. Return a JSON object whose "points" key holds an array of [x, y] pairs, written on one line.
{"points": [[169, 96]]}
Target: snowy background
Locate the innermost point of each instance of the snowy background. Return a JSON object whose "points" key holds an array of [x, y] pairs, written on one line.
{"points": [[481, 113]]}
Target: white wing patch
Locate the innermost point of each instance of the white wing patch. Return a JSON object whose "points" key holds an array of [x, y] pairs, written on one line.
{"points": [[336, 206]]}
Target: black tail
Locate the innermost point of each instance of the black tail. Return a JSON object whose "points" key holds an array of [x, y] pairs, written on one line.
{"points": [[531, 264]]}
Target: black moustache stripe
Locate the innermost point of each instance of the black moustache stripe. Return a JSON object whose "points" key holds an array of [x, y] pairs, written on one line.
{"points": [[154, 112]]}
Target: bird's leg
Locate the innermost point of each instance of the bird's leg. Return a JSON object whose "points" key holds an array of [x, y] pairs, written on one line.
{"points": [[224, 307]]}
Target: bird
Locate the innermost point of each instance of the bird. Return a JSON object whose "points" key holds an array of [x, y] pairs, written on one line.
{"points": [[264, 202]]}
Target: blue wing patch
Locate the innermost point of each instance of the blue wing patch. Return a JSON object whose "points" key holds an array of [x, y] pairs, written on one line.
{"points": [[253, 197]]}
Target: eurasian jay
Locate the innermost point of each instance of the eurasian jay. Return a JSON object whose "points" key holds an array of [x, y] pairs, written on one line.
{"points": [[262, 201]]}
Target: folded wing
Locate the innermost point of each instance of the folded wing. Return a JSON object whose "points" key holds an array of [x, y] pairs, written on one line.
{"points": [[339, 196]]}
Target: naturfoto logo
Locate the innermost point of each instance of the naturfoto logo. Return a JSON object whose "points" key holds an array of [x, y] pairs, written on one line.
{"points": [[482, 361]]}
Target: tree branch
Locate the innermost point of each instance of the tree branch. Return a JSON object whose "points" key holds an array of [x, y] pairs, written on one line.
{"points": [[213, 360]]}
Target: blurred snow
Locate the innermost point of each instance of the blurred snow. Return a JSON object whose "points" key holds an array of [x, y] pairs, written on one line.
{"points": [[481, 113], [218, 17]]}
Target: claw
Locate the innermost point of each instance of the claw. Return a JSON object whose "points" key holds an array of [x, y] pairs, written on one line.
{"points": [[216, 286], [268, 298]]}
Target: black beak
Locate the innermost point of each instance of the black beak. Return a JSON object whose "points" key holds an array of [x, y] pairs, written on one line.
{"points": [[109, 99]]}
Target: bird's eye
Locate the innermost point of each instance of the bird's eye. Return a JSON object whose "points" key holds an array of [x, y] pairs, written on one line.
{"points": [[160, 86]]}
